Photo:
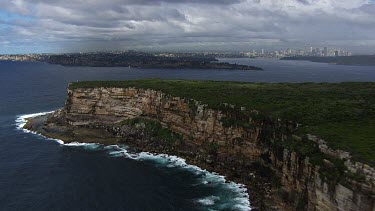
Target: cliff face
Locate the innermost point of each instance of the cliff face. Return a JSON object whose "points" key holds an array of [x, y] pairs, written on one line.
{"points": [[301, 181], [189, 118]]}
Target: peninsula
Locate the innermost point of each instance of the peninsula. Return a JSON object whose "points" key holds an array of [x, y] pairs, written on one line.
{"points": [[302, 146], [362, 60], [133, 59]]}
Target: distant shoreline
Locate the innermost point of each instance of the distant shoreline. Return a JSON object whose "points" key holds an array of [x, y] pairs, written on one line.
{"points": [[132, 59], [365, 60]]}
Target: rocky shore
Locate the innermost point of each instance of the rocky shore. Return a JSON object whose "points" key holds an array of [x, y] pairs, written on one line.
{"points": [[139, 139], [254, 153]]}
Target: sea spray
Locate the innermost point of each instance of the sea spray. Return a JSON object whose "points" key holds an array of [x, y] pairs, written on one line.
{"points": [[22, 120]]}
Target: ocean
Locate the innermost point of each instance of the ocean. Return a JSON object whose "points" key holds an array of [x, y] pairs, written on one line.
{"points": [[37, 173]]}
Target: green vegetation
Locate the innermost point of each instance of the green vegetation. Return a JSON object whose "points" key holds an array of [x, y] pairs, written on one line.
{"points": [[230, 121], [155, 129], [342, 113], [211, 147], [303, 147], [355, 136], [331, 169]]}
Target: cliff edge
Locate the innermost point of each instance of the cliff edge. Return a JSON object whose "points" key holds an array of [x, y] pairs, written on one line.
{"points": [[283, 169]]}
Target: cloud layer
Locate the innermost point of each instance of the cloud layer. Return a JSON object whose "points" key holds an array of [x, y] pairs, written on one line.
{"points": [[87, 25]]}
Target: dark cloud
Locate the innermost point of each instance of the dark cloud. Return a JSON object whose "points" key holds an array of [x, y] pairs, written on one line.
{"points": [[195, 24], [142, 2], [368, 8], [185, 1], [304, 1]]}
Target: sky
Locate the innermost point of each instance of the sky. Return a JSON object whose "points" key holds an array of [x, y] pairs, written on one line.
{"points": [[56, 26]]}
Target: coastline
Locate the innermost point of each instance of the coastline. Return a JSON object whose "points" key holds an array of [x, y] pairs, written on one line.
{"points": [[21, 121], [242, 201], [280, 169], [364, 60]]}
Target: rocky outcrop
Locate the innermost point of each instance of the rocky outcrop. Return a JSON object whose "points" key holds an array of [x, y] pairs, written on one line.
{"points": [[187, 117], [300, 182]]}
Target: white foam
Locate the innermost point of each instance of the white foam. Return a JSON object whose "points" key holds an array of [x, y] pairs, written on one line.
{"points": [[91, 146], [22, 120], [238, 200], [208, 201], [75, 144]]}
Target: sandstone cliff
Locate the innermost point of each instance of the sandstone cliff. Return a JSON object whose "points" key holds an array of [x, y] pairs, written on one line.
{"points": [[292, 174]]}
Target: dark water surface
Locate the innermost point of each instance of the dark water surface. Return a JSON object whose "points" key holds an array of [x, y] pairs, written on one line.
{"points": [[40, 174]]}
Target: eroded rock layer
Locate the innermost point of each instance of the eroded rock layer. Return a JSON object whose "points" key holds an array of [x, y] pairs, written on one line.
{"points": [[300, 183]]}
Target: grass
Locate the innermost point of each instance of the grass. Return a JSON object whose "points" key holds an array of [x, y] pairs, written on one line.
{"points": [[342, 113]]}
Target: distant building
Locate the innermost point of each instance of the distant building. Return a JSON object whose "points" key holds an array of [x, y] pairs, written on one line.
{"points": [[318, 52]]}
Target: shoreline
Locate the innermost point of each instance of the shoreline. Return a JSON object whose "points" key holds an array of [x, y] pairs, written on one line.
{"points": [[22, 120], [364, 60], [141, 155]]}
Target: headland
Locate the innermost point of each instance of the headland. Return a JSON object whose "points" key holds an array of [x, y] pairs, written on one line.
{"points": [[295, 146]]}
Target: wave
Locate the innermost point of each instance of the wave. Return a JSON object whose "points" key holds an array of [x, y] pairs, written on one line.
{"points": [[210, 200], [22, 120], [232, 196]]}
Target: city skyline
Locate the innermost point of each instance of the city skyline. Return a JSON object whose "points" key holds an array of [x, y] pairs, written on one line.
{"points": [[306, 51], [43, 26]]}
